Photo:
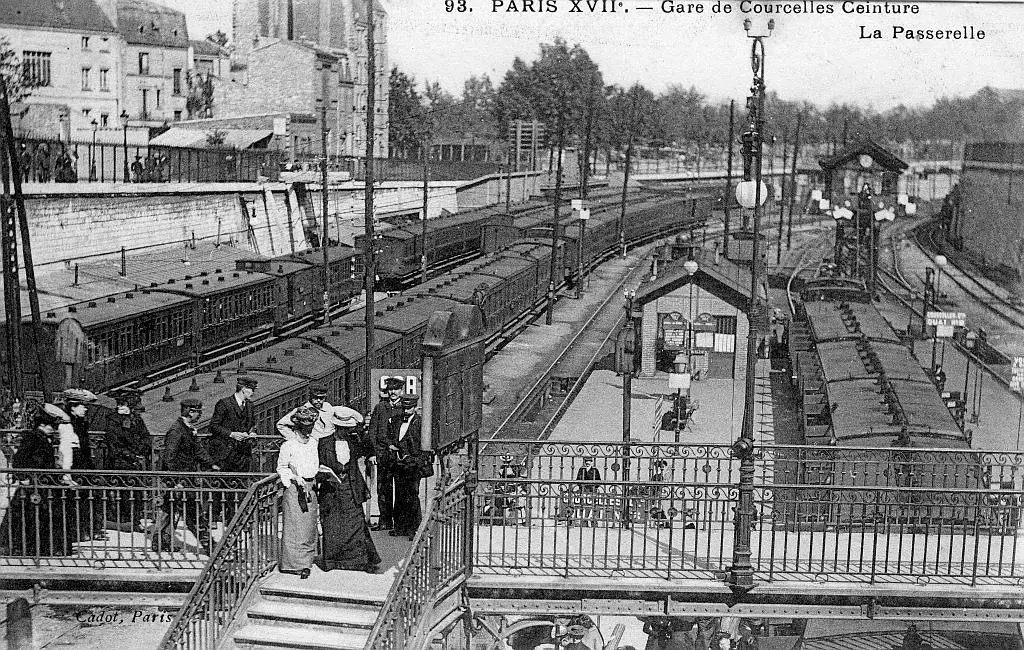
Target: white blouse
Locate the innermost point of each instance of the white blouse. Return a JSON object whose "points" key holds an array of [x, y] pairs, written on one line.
{"points": [[297, 460]]}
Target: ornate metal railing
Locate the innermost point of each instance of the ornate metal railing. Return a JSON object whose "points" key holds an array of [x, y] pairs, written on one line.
{"points": [[110, 519], [437, 564], [821, 513], [249, 550]]}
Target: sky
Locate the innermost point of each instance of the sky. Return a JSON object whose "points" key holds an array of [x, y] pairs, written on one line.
{"points": [[822, 58]]}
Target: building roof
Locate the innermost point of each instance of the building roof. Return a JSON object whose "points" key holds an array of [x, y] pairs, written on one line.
{"points": [[267, 43], [233, 138], [882, 156], [68, 15], [206, 47], [146, 23]]}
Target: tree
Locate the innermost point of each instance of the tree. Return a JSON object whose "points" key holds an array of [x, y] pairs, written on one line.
{"points": [[13, 74], [406, 114]]}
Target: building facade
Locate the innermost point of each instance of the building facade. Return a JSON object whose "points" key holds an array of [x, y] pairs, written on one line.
{"points": [[73, 53], [333, 33], [156, 60]]}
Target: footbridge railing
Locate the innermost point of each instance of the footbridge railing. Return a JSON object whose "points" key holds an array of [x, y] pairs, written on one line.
{"points": [[820, 513]]}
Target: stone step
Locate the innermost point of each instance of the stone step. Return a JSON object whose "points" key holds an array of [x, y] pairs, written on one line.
{"points": [[291, 614], [269, 636], [307, 595]]}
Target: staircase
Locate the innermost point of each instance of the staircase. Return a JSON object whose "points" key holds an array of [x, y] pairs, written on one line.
{"points": [[329, 610]]}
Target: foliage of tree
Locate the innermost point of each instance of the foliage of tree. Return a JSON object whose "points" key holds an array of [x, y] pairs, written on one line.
{"points": [[218, 37], [12, 74], [405, 114]]}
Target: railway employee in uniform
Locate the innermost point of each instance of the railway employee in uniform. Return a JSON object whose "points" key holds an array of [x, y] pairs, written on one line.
{"points": [[404, 442], [378, 434], [323, 426], [183, 453], [347, 542], [233, 427], [129, 449], [297, 466]]}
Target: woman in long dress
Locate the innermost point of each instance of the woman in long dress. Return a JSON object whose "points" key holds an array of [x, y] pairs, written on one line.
{"points": [[347, 544], [297, 465]]}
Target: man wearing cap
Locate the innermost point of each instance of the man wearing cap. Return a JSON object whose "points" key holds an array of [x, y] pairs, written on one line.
{"points": [[378, 434], [183, 453], [404, 445], [323, 426], [233, 428], [347, 544], [129, 449]]}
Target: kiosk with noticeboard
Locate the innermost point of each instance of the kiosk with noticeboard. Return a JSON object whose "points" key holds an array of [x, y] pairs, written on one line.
{"points": [[453, 376]]}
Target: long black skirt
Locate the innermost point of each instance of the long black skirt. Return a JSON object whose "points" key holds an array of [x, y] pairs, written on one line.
{"points": [[36, 527], [347, 543]]}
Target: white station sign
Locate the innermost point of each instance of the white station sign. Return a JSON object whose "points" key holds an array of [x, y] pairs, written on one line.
{"points": [[945, 321]]}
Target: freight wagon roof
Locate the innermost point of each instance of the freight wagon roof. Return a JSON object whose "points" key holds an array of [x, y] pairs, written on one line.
{"points": [[160, 415], [826, 320], [299, 357], [124, 306], [349, 339], [862, 414], [840, 360]]}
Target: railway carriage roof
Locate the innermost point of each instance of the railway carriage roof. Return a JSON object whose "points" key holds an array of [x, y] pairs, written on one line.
{"points": [[826, 322], [862, 415], [349, 339], [459, 287], [160, 415], [314, 256], [840, 360], [299, 357], [401, 314], [128, 305]]}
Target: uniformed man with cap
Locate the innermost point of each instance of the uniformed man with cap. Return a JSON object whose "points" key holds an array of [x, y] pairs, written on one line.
{"points": [[404, 442], [129, 449], [233, 428], [378, 434], [183, 453], [324, 424]]}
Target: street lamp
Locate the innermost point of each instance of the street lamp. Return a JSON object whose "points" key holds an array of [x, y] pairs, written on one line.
{"points": [[124, 125], [92, 152], [741, 574], [940, 263]]}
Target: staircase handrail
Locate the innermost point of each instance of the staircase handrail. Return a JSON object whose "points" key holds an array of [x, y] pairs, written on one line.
{"points": [[429, 570], [248, 551]]}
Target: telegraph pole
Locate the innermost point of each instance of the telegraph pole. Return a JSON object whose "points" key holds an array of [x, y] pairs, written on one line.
{"points": [[727, 197], [323, 207], [426, 191], [12, 290], [782, 203], [369, 252], [552, 267], [792, 183]]}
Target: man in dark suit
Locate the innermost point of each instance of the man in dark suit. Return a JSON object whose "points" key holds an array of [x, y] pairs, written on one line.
{"points": [[404, 441], [233, 428], [183, 453], [378, 434]]}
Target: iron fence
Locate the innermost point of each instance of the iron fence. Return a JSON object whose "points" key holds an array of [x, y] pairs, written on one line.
{"points": [[821, 513], [55, 161], [249, 550], [106, 519], [399, 169], [436, 565]]}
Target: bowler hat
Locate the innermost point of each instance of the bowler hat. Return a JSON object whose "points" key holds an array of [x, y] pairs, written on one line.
{"points": [[126, 395], [318, 390], [410, 400], [344, 416], [247, 382], [394, 383], [191, 403]]}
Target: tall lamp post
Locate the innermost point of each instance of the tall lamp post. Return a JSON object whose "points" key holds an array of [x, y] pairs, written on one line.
{"points": [[940, 263], [124, 126], [92, 152], [740, 577], [841, 214], [864, 211]]}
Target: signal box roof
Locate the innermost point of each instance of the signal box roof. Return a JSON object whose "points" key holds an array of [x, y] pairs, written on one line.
{"points": [[880, 155]]}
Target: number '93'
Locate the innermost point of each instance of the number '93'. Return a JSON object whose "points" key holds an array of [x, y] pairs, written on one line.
{"points": [[456, 5]]}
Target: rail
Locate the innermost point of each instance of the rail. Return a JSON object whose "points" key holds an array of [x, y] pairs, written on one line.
{"points": [[822, 513], [436, 565], [110, 519], [249, 550]]}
